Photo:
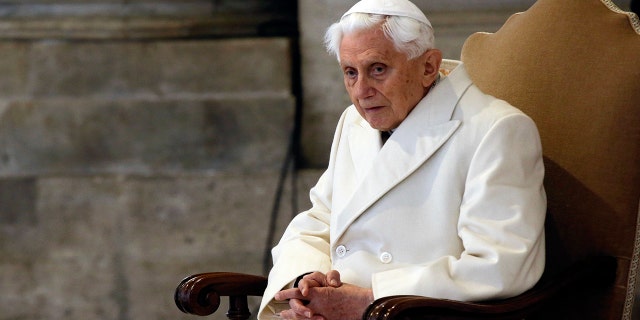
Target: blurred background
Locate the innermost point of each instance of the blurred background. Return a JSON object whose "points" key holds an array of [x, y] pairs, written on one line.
{"points": [[142, 141]]}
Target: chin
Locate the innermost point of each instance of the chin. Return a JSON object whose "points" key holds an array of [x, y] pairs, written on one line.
{"points": [[381, 126]]}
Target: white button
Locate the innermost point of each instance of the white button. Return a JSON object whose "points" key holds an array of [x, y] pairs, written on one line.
{"points": [[341, 251], [386, 257]]}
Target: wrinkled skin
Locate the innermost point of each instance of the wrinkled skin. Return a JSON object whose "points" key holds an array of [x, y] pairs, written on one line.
{"points": [[325, 297], [381, 82]]}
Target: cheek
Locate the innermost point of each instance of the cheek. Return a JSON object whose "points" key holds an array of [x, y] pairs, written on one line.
{"points": [[348, 85], [405, 95], [352, 96], [413, 88], [402, 90], [360, 111]]}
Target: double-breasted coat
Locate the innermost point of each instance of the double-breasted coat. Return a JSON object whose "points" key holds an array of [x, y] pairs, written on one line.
{"points": [[451, 206]]}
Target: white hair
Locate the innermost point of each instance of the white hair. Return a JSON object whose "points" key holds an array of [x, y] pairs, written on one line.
{"points": [[409, 36]]}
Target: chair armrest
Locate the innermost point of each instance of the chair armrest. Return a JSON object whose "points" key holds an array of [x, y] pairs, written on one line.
{"points": [[594, 272], [200, 294]]}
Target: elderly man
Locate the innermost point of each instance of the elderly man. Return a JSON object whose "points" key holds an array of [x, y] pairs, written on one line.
{"points": [[451, 205]]}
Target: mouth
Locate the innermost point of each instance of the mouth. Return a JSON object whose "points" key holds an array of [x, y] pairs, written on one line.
{"points": [[372, 108]]}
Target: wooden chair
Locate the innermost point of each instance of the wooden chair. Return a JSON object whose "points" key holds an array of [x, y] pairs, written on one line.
{"points": [[574, 67]]}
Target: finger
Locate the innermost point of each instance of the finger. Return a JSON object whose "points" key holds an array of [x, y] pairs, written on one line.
{"points": [[300, 308], [315, 279], [284, 314], [333, 278], [305, 284], [286, 294], [288, 314]]}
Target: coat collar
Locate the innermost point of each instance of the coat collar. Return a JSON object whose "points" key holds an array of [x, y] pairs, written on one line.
{"points": [[380, 168]]}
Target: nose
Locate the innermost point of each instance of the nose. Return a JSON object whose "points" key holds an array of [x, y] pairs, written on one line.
{"points": [[363, 88]]}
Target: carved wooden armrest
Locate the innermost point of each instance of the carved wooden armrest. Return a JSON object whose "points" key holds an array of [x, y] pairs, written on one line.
{"points": [[200, 294], [593, 272]]}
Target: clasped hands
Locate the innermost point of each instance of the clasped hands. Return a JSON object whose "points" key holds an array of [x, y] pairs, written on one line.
{"points": [[324, 297]]}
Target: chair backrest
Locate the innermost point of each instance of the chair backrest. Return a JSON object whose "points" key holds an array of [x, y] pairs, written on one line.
{"points": [[574, 67]]}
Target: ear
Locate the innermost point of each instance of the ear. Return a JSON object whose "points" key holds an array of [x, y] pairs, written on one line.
{"points": [[431, 59]]}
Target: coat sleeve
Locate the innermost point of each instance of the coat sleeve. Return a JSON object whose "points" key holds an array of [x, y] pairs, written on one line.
{"points": [[304, 246], [501, 224]]}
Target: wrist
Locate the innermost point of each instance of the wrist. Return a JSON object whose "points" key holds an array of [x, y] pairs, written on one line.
{"points": [[370, 297]]}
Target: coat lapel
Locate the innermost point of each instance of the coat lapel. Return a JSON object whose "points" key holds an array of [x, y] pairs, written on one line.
{"points": [[419, 136], [364, 146]]}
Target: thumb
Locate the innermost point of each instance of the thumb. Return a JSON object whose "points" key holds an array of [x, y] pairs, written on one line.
{"points": [[333, 278]]}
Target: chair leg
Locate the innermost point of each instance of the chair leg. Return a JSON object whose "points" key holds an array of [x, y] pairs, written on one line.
{"points": [[238, 308]]}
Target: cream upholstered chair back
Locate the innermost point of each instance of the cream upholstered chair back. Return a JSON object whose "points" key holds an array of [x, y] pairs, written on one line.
{"points": [[574, 67]]}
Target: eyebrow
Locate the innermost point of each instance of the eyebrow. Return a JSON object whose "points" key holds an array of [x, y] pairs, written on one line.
{"points": [[368, 62]]}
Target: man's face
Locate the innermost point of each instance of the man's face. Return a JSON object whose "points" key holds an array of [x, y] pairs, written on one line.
{"points": [[382, 84]]}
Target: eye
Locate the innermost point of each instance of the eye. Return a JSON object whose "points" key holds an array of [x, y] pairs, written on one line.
{"points": [[350, 73], [378, 69]]}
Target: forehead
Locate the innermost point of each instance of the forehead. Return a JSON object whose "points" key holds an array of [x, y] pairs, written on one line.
{"points": [[368, 46]]}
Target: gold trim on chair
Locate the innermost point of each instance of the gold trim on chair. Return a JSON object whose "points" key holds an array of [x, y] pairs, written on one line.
{"points": [[633, 18], [633, 274]]}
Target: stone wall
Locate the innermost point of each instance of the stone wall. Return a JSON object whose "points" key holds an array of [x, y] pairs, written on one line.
{"points": [[140, 142]]}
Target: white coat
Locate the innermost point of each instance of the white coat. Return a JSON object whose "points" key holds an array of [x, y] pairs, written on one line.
{"points": [[451, 206]]}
